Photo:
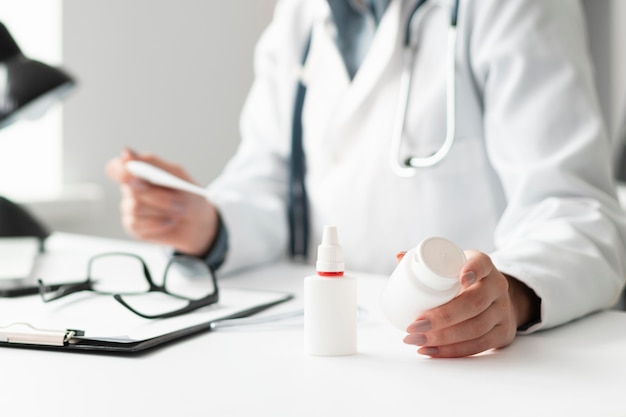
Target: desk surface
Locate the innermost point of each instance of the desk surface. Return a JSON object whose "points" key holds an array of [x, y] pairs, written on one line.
{"points": [[575, 370]]}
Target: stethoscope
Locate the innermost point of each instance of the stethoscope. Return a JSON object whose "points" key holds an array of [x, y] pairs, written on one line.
{"points": [[298, 211], [407, 167]]}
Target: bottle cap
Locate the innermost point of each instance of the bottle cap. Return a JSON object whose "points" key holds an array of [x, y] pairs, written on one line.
{"points": [[329, 252], [438, 262]]}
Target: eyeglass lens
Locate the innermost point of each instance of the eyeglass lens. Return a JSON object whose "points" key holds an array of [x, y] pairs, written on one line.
{"points": [[188, 278], [185, 279], [186, 284], [118, 273]]}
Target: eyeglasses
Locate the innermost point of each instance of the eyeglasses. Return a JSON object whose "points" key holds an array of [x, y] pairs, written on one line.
{"points": [[188, 284]]}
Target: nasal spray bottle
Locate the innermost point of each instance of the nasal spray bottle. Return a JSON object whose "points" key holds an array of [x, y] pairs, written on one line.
{"points": [[330, 302], [426, 277]]}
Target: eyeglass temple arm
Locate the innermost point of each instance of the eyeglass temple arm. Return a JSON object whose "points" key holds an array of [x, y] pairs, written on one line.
{"points": [[191, 306], [63, 290]]}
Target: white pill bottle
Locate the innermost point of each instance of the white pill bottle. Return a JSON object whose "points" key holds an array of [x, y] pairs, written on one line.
{"points": [[426, 277]]}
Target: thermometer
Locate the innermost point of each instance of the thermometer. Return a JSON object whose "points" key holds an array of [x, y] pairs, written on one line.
{"points": [[163, 178]]}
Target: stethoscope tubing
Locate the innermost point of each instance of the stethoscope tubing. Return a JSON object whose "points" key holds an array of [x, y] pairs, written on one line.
{"points": [[407, 168], [429, 161]]}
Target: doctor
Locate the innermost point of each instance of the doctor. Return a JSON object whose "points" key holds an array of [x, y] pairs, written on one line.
{"points": [[525, 184]]}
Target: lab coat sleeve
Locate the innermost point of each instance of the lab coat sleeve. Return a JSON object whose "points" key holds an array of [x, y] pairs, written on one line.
{"points": [[251, 192], [563, 232]]}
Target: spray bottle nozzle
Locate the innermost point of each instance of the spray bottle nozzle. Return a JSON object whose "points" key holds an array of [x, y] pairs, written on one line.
{"points": [[330, 236], [330, 253]]}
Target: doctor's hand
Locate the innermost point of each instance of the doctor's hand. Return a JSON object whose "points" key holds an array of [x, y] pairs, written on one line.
{"points": [[485, 314], [182, 220]]}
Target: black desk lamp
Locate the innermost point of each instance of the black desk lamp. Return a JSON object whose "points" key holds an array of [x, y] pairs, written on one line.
{"points": [[28, 88]]}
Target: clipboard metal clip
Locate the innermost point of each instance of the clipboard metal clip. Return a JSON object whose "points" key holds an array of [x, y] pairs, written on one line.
{"points": [[25, 333]]}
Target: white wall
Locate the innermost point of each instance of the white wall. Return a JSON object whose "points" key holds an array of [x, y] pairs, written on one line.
{"points": [[164, 76]]}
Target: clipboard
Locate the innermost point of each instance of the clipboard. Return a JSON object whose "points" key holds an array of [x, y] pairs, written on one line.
{"points": [[97, 323]]}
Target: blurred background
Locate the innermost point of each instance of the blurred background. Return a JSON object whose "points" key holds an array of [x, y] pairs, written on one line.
{"points": [[168, 77]]}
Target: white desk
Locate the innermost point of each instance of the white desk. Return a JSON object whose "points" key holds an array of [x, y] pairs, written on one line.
{"points": [[576, 370]]}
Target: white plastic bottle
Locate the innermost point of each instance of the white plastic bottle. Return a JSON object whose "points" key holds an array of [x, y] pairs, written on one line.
{"points": [[426, 277], [330, 302]]}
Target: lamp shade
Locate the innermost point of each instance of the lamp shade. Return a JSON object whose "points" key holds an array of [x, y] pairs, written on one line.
{"points": [[27, 87]]}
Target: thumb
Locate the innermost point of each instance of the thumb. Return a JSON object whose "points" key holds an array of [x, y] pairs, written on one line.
{"points": [[129, 154]]}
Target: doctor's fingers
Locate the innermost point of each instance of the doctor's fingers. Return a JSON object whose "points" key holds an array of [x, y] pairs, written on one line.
{"points": [[477, 267], [151, 229], [492, 328], [136, 214], [497, 337], [132, 212], [144, 221], [470, 303], [140, 194], [170, 167], [115, 168]]}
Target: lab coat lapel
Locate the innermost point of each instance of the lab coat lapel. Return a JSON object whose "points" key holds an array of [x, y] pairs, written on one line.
{"points": [[325, 63], [381, 51], [326, 80]]}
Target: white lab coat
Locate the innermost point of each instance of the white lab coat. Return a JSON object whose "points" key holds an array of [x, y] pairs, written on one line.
{"points": [[527, 181]]}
